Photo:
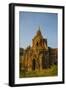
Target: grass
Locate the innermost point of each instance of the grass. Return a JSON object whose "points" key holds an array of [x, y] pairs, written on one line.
{"points": [[52, 71]]}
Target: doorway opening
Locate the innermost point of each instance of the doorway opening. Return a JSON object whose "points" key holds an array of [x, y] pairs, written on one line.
{"points": [[33, 64]]}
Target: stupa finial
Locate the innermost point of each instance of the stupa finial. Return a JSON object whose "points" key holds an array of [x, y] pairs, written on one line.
{"points": [[39, 30]]}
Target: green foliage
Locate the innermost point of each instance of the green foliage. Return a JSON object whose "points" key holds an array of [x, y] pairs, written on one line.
{"points": [[52, 71]]}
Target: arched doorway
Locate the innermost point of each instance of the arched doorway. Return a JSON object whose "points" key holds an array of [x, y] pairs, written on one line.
{"points": [[43, 62], [33, 64]]}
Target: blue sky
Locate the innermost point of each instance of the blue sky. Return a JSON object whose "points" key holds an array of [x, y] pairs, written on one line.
{"points": [[29, 23]]}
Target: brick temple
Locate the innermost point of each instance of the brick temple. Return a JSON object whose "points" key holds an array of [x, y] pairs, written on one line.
{"points": [[39, 56]]}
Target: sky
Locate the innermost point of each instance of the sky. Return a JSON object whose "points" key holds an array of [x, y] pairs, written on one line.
{"points": [[29, 22]]}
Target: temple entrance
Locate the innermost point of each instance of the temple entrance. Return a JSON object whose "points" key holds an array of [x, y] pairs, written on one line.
{"points": [[42, 63], [33, 64]]}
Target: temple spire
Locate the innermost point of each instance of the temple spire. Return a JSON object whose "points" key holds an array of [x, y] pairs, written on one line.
{"points": [[39, 28], [39, 31]]}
